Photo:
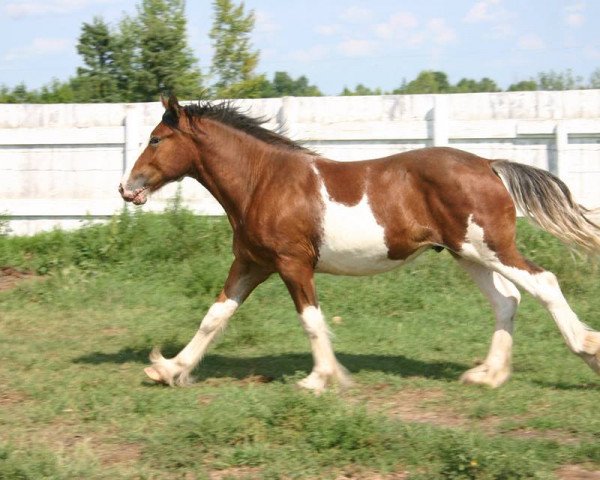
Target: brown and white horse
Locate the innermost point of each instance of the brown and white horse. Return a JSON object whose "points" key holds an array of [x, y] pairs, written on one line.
{"points": [[295, 213]]}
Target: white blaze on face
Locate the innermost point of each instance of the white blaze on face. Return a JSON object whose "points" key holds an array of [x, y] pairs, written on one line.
{"points": [[353, 242]]}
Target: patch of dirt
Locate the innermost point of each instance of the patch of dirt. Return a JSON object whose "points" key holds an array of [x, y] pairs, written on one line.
{"points": [[249, 380], [11, 397], [576, 472], [207, 398], [114, 331], [420, 405], [10, 276], [111, 454], [66, 434], [425, 407], [558, 436], [413, 405], [246, 473], [362, 475]]}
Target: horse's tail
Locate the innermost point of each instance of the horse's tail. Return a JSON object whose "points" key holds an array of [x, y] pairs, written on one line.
{"points": [[547, 201]]}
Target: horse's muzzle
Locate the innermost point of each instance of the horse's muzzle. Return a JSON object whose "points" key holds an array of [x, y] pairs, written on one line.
{"points": [[137, 196]]}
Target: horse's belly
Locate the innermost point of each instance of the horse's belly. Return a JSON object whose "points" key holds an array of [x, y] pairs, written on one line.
{"points": [[353, 242]]}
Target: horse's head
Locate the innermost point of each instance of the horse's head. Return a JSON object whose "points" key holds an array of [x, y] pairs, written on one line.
{"points": [[168, 156]]}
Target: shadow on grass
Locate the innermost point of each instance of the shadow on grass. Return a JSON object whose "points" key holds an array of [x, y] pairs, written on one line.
{"points": [[276, 366], [568, 386]]}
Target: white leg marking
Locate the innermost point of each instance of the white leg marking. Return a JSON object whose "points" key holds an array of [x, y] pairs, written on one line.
{"points": [[543, 286], [214, 321], [504, 298], [178, 369], [326, 368]]}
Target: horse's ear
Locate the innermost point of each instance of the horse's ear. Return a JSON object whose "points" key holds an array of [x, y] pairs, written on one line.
{"points": [[171, 104]]}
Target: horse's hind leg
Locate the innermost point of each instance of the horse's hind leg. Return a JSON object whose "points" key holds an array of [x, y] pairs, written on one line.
{"points": [[541, 284], [504, 298]]}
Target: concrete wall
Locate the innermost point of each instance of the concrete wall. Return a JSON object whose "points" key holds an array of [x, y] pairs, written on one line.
{"points": [[61, 163]]}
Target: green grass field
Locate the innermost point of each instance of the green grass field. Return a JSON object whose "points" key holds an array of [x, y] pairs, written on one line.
{"points": [[74, 402]]}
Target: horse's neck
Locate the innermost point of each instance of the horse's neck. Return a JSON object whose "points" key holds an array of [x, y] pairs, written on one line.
{"points": [[230, 166]]}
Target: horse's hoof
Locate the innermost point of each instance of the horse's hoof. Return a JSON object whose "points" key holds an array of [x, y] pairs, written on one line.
{"points": [[314, 382], [153, 374], [484, 375]]}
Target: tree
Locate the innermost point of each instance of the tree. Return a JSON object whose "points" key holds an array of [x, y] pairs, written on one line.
{"points": [[96, 49], [234, 62], [18, 94], [257, 86], [468, 85], [284, 85], [523, 86], [166, 63], [360, 89], [57, 92], [428, 81], [595, 79], [552, 80], [126, 60]]}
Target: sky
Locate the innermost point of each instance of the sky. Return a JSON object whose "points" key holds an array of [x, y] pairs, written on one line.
{"points": [[337, 43]]}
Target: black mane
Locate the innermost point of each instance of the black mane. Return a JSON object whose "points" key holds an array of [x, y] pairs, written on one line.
{"points": [[232, 115]]}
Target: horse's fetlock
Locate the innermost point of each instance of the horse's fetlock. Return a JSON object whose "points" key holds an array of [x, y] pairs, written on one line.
{"points": [[591, 343]]}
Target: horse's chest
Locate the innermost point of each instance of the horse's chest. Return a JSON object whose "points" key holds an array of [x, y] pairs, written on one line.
{"points": [[353, 243]]}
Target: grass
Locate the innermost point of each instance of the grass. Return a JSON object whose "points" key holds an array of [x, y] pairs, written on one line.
{"points": [[74, 402]]}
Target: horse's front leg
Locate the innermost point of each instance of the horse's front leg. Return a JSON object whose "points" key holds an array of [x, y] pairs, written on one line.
{"points": [[242, 279], [299, 280]]}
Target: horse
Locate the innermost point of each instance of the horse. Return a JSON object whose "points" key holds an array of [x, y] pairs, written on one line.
{"points": [[295, 213]]}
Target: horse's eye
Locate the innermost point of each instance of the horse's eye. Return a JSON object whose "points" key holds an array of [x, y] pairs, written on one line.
{"points": [[154, 141]]}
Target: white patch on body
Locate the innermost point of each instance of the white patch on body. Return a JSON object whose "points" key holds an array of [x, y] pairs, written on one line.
{"points": [[543, 286], [353, 242]]}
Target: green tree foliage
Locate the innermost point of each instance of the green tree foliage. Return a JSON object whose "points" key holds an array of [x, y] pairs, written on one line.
{"points": [[360, 89], [166, 63], [284, 85], [468, 85], [96, 80], [55, 92], [553, 80], [234, 62], [523, 86], [18, 94], [428, 81], [565, 80], [595, 79], [126, 59]]}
